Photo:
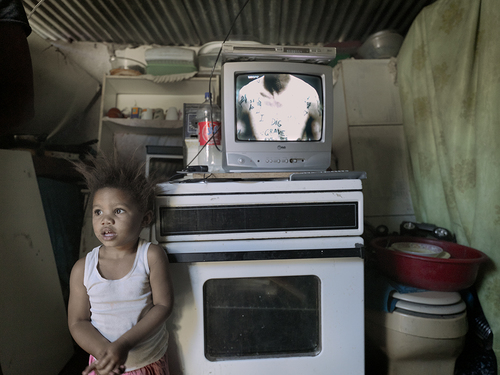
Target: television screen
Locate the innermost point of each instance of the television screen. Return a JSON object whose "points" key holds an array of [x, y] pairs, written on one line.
{"points": [[278, 107], [276, 116]]}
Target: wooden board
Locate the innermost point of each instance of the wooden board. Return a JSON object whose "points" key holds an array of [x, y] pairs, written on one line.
{"points": [[34, 336]]}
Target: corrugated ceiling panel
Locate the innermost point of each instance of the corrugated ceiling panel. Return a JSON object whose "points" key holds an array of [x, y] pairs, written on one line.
{"points": [[196, 22]]}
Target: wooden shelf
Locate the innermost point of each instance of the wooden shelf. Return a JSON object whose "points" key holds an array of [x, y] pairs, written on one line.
{"points": [[118, 135], [138, 126]]}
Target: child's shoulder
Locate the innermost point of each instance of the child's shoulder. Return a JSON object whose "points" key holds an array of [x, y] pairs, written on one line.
{"points": [[91, 256], [156, 253], [156, 249], [80, 264], [78, 268]]}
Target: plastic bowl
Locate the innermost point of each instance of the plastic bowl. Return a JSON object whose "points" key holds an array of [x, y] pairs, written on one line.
{"points": [[440, 274], [126, 67]]}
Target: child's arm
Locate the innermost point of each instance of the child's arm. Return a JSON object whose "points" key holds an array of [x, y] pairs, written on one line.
{"points": [[163, 298]]}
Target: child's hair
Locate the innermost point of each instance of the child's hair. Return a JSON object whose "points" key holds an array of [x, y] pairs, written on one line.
{"points": [[128, 175]]}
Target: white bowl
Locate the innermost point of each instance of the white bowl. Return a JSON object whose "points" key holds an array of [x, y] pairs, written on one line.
{"points": [[417, 248]]}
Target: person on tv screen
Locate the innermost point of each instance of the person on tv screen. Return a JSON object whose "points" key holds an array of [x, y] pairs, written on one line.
{"points": [[278, 107]]}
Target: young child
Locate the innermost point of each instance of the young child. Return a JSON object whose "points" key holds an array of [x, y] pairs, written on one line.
{"points": [[121, 293]]}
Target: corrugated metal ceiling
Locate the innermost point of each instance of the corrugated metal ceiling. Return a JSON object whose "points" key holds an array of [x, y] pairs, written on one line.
{"points": [[196, 22]]}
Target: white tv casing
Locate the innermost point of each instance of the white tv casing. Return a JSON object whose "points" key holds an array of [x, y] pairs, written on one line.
{"points": [[274, 156]]}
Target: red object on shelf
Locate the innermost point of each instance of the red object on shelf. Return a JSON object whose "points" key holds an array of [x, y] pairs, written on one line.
{"points": [[446, 275], [115, 113]]}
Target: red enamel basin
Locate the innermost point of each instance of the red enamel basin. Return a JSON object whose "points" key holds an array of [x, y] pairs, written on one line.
{"points": [[448, 275]]}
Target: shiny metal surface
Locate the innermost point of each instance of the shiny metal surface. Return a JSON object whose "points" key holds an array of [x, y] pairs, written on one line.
{"points": [[196, 22]]}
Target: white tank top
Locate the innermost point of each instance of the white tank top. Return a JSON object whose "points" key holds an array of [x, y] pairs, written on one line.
{"points": [[117, 305]]}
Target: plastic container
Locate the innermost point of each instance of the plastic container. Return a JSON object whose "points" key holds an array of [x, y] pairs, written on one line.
{"points": [[209, 135], [170, 60], [447, 275], [123, 66]]}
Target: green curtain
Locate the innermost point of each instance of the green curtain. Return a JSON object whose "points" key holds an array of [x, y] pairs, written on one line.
{"points": [[449, 80]]}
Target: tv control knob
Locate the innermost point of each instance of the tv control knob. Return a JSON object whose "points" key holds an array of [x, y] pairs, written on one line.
{"points": [[241, 161]]}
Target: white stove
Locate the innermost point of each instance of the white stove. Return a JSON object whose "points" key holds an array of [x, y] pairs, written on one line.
{"points": [[268, 275]]}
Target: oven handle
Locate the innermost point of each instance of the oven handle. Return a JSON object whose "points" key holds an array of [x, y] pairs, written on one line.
{"points": [[232, 256]]}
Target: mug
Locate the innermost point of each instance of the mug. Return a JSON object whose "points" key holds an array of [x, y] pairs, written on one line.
{"points": [[172, 114], [147, 114], [158, 114], [136, 112]]}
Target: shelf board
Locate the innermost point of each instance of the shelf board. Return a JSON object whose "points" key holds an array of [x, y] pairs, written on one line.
{"points": [[138, 85], [138, 126]]}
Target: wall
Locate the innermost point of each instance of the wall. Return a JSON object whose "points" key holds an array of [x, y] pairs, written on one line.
{"points": [[33, 324], [373, 116], [64, 84]]}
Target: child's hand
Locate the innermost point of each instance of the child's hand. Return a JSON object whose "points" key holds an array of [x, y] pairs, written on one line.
{"points": [[111, 362], [92, 367]]}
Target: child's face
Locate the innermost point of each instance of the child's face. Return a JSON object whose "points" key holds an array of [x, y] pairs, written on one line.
{"points": [[117, 220]]}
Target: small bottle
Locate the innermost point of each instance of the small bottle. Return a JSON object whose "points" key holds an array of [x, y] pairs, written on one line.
{"points": [[209, 135]]}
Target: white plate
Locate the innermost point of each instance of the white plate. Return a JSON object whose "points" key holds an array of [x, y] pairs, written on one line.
{"points": [[417, 248]]}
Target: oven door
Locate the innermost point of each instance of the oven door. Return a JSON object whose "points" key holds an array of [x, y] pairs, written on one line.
{"points": [[300, 313]]}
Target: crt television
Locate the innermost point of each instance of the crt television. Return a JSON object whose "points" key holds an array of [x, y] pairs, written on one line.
{"points": [[277, 116]]}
